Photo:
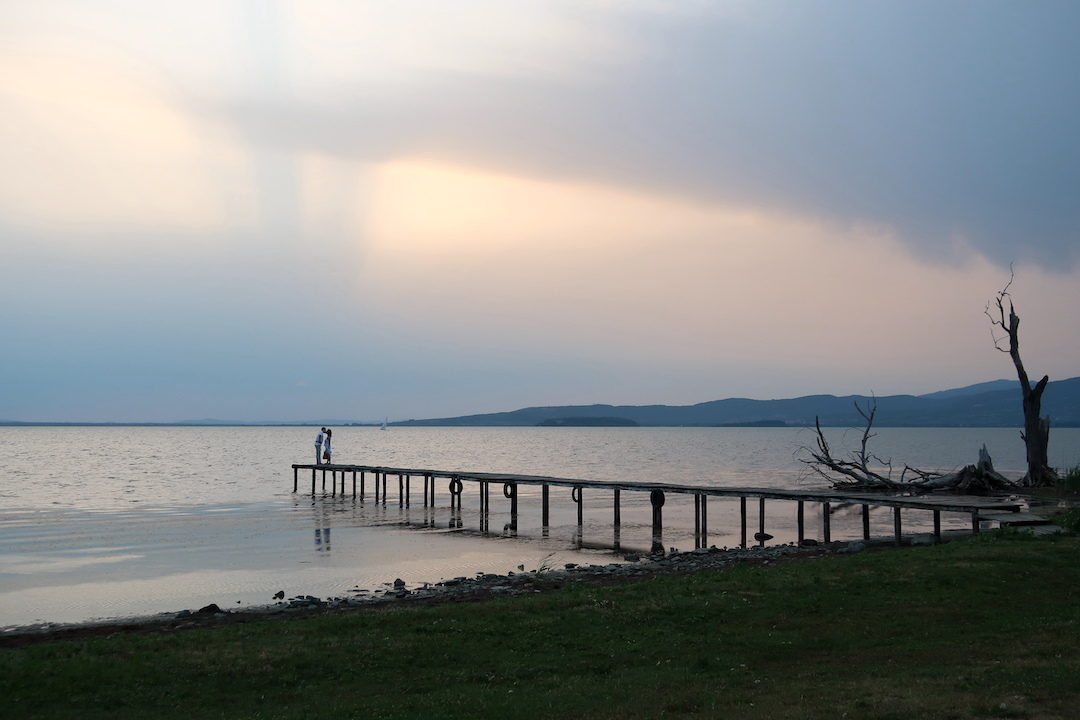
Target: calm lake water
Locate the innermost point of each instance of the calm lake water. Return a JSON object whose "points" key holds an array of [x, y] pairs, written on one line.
{"points": [[118, 522]]}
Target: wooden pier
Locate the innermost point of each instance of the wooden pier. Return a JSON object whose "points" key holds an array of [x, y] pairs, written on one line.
{"points": [[977, 508]]}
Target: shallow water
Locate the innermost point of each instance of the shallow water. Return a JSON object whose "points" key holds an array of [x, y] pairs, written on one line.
{"points": [[116, 522]]}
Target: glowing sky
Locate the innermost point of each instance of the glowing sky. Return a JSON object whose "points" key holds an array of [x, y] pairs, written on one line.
{"points": [[423, 208]]}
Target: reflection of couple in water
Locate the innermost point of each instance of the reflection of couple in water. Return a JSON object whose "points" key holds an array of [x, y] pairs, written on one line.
{"points": [[322, 447]]}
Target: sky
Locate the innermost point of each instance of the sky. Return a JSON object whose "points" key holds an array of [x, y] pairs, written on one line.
{"points": [[271, 210]]}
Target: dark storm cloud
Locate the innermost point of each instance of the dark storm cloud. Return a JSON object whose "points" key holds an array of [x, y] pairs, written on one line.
{"points": [[948, 122]]}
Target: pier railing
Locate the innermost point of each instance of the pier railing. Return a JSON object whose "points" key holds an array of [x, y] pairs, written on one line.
{"points": [[456, 480]]}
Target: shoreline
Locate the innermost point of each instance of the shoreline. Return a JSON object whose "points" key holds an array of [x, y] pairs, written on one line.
{"points": [[485, 586]]}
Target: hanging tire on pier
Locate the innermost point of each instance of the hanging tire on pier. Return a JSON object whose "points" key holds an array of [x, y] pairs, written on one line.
{"points": [[577, 497], [656, 497]]}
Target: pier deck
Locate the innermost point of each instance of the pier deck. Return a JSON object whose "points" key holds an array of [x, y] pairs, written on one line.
{"points": [[977, 508]]}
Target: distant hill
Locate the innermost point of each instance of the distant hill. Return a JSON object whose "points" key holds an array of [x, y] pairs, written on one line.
{"points": [[977, 389], [993, 404]]}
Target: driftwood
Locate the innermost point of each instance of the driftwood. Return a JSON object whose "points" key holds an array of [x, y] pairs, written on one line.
{"points": [[856, 473], [978, 478]]}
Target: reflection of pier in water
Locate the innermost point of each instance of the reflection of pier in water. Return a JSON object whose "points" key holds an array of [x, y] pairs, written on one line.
{"points": [[977, 509]]}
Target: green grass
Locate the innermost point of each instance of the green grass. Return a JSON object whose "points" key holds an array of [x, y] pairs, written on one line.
{"points": [[1070, 520], [1070, 478], [983, 628]]}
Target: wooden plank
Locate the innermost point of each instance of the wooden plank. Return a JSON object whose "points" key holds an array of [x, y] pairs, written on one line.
{"points": [[1014, 518]]}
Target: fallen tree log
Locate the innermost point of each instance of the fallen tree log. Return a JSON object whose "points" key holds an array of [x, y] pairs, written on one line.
{"points": [[978, 478]]}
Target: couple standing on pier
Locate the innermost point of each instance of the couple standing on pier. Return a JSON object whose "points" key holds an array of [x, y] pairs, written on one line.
{"points": [[322, 447]]}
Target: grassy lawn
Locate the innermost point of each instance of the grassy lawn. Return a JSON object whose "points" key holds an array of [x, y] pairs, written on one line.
{"points": [[983, 628]]}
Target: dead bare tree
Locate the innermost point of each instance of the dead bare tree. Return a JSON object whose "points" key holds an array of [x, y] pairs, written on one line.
{"points": [[1036, 434], [856, 473]]}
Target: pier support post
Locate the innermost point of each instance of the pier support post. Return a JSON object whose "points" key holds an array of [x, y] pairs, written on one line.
{"points": [[896, 525], [656, 497], [324, 481], [704, 520], [575, 495], [295, 479], [363, 474], [866, 522], [456, 486], [826, 522], [799, 520], [937, 526], [761, 522], [312, 481], [510, 491], [618, 509], [354, 483], [701, 520], [545, 514], [697, 520], [975, 522], [742, 516]]}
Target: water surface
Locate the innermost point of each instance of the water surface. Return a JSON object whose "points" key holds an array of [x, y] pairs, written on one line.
{"points": [[113, 522]]}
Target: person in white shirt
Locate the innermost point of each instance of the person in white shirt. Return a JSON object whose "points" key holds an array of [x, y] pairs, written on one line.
{"points": [[327, 453], [318, 446]]}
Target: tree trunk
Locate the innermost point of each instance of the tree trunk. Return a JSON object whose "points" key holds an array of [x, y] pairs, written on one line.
{"points": [[1036, 433]]}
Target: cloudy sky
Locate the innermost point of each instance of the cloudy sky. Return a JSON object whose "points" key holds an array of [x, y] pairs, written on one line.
{"points": [[260, 210]]}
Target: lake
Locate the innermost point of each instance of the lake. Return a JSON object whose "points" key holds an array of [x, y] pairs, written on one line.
{"points": [[106, 522]]}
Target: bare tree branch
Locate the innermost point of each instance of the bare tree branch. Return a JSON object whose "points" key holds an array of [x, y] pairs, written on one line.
{"points": [[857, 474]]}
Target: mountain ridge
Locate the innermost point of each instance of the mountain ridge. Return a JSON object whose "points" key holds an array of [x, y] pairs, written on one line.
{"points": [[993, 404]]}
